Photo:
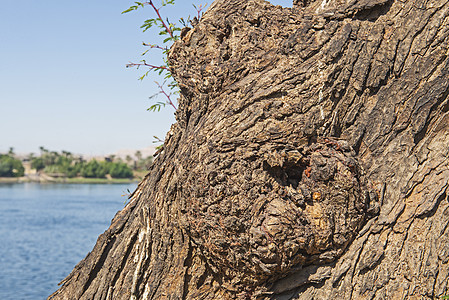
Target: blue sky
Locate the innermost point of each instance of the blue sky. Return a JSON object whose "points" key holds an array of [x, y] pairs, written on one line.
{"points": [[63, 81]]}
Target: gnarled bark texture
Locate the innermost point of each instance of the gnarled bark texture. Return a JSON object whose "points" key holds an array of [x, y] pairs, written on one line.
{"points": [[309, 160]]}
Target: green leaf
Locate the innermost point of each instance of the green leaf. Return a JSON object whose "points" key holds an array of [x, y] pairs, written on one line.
{"points": [[167, 2], [129, 9], [144, 75], [157, 106]]}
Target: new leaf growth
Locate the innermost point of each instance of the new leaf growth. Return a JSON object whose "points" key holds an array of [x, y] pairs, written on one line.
{"points": [[170, 31]]}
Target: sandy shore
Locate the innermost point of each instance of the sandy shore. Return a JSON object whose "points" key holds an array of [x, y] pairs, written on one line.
{"points": [[10, 179]]}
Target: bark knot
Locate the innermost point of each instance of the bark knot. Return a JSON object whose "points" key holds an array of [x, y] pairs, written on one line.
{"points": [[303, 206]]}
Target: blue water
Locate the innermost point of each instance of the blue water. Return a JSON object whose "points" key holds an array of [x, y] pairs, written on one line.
{"points": [[46, 229]]}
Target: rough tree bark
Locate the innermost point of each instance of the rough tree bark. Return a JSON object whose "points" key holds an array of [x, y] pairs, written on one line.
{"points": [[309, 160]]}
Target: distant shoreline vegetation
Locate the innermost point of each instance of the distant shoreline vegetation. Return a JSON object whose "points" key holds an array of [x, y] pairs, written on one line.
{"points": [[53, 166], [10, 166]]}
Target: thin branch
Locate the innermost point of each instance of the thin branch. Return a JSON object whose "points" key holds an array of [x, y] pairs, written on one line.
{"points": [[158, 140], [130, 65], [159, 16], [162, 91], [154, 46], [199, 10]]}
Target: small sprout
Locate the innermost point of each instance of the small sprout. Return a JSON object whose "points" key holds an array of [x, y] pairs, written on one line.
{"points": [[126, 194]]}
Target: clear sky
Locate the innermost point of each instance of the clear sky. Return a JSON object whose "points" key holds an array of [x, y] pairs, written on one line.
{"points": [[63, 80]]}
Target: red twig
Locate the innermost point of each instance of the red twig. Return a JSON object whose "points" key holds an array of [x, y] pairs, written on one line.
{"points": [[199, 9], [166, 95], [130, 65], [159, 16]]}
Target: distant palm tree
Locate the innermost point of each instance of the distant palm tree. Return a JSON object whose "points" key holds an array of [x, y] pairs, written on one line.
{"points": [[43, 150], [138, 155]]}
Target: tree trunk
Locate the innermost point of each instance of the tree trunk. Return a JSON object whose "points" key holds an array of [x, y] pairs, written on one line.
{"points": [[309, 161]]}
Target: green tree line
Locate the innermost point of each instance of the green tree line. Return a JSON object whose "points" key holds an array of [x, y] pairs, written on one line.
{"points": [[92, 169], [65, 164]]}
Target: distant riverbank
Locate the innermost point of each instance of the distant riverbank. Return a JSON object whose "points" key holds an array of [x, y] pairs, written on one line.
{"points": [[76, 180]]}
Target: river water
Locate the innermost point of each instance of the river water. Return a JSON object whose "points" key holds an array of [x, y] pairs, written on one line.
{"points": [[46, 229]]}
